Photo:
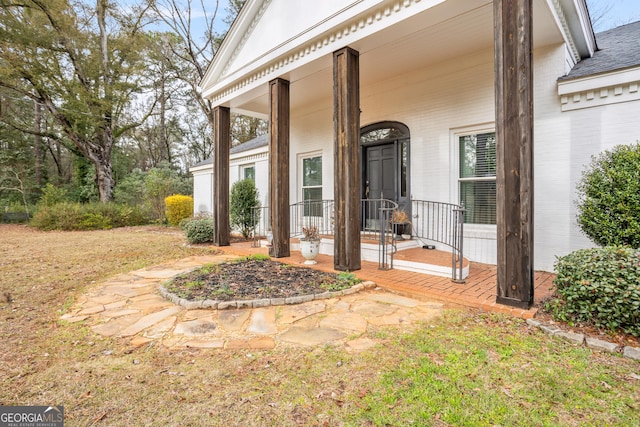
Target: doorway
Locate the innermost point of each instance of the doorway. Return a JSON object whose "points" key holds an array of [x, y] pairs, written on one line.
{"points": [[386, 159]]}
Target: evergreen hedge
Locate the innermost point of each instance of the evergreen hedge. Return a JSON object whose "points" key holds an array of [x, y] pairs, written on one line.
{"points": [[600, 286]]}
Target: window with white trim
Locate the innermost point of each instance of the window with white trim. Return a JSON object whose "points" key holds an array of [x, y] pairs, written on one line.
{"points": [[248, 172], [477, 176], [312, 185]]}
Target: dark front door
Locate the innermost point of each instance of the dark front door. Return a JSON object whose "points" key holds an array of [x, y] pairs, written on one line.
{"points": [[381, 173], [385, 175]]}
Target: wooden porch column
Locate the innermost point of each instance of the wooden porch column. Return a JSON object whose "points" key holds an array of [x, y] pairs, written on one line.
{"points": [[347, 161], [221, 145], [514, 150], [279, 167]]}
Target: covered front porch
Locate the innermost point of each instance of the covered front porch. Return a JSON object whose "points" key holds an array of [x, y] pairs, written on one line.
{"points": [[437, 68]]}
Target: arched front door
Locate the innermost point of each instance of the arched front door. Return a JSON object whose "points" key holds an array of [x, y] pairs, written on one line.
{"points": [[385, 151]]}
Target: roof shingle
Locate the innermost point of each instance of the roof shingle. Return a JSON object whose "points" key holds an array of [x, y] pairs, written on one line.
{"points": [[618, 48]]}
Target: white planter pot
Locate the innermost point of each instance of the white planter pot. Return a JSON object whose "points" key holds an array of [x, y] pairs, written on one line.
{"points": [[309, 250]]}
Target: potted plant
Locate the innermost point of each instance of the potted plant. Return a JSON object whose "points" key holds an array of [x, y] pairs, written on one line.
{"points": [[401, 223], [310, 244]]}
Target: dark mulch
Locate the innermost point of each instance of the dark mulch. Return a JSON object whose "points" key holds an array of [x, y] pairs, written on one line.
{"points": [[255, 279]]}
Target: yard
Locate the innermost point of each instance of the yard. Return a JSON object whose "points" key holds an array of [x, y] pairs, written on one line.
{"points": [[464, 369]]}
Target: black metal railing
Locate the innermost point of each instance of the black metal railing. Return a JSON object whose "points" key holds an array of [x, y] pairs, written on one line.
{"points": [[441, 223], [376, 217], [311, 213], [433, 221]]}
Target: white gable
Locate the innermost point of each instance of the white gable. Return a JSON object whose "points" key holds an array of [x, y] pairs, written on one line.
{"points": [[269, 33], [271, 37]]}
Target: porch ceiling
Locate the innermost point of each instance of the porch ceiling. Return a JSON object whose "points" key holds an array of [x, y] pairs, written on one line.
{"points": [[451, 29]]}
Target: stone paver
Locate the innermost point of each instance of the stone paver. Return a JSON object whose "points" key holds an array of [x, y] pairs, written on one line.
{"points": [[374, 309], [197, 327], [398, 317], [311, 337], [161, 328], [233, 320], [204, 344], [148, 321], [293, 313], [345, 320], [114, 326], [393, 299], [130, 306], [601, 345], [263, 321], [119, 313], [631, 352]]}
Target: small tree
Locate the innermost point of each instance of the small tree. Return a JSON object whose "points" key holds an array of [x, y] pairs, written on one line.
{"points": [[244, 198], [609, 197]]}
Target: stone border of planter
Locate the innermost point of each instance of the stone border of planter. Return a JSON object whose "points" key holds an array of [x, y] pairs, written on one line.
{"points": [[264, 302], [555, 331]]}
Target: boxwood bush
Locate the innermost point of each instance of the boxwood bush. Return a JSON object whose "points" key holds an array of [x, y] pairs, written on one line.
{"points": [[609, 197], [600, 286], [198, 230]]}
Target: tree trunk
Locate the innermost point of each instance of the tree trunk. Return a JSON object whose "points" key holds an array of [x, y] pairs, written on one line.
{"points": [[104, 180], [37, 144]]}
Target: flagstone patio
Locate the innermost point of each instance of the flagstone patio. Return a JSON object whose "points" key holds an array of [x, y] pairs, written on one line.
{"points": [[129, 306]]}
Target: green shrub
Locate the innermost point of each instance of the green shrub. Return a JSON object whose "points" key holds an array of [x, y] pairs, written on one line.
{"points": [[178, 207], [121, 215], [609, 197], [243, 199], [58, 216], [90, 216], [52, 195], [600, 286], [199, 230], [93, 221], [147, 190]]}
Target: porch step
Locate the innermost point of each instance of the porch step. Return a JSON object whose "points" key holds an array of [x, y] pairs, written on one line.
{"points": [[410, 256]]}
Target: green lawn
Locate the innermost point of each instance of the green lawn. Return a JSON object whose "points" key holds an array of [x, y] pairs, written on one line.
{"points": [[465, 369]]}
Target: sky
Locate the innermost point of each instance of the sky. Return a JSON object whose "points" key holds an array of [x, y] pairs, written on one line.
{"points": [[613, 13], [606, 14]]}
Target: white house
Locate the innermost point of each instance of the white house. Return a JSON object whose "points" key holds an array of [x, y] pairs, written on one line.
{"points": [[247, 160], [421, 76]]}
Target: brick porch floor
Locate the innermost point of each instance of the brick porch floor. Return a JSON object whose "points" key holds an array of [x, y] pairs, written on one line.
{"points": [[479, 290]]}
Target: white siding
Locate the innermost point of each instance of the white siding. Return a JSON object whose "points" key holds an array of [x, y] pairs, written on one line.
{"points": [[203, 191], [203, 179]]}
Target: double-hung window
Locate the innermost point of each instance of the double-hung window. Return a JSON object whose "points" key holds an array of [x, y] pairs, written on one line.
{"points": [[312, 185], [477, 176]]}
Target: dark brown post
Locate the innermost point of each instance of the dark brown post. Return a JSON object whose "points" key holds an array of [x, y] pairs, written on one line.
{"points": [[347, 185], [221, 144], [514, 150], [279, 167]]}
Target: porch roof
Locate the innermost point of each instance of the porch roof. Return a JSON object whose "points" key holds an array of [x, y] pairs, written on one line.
{"points": [[255, 143], [267, 41]]}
